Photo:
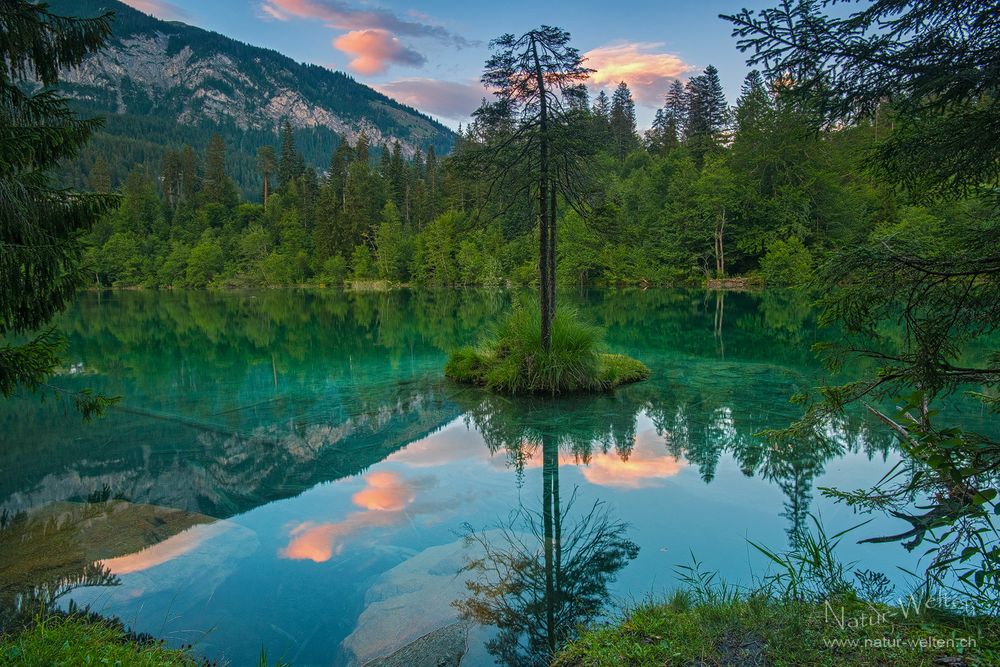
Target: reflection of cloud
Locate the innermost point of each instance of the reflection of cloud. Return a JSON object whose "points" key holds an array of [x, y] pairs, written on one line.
{"points": [[375, 50], [316, 542], [167, 550], [644, 467], [638, 471], [385, 497], [454, 442], [646, 70], [159, 8], [448, 99], [386, 492]]}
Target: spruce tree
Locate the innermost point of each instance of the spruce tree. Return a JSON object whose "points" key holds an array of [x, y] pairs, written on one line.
{"points": [[622, 122], [289, 165], [540, 152], [40, 226], [707, 113], [676, 107], [218, 187]]}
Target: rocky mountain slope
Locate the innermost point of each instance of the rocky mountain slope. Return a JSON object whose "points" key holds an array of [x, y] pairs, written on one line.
{"points": [[166, 83]]}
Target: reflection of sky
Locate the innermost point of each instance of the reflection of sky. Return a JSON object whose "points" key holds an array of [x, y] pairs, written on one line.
{"points": [[300, 582]]}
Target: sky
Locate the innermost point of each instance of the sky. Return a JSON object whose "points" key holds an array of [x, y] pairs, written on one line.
{"points": [[430, 53]]}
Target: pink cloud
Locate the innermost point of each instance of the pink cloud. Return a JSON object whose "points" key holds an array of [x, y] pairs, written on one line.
{"points": [[158, 8], [342, 16], [647, 70], [374, 50], [448, 99]]}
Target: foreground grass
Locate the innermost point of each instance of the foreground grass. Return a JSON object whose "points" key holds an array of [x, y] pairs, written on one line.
{"points": [[765, 631], [86, 640], [512, 361]]}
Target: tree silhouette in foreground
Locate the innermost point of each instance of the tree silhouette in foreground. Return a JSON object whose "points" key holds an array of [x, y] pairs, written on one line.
{"points": [[41, 249], [933, 68]]}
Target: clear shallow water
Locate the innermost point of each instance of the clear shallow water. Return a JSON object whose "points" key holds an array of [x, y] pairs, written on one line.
{"points": [[289, 469]]}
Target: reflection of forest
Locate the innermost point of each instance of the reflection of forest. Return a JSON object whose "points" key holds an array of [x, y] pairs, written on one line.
{"points": [[48, 552], [539, 578], [231, 400], [692, 430]]}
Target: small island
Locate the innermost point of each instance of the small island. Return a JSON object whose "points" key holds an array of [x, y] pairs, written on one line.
{"points": [[514, 361]]}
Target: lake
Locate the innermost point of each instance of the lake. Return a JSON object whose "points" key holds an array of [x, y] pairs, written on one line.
{"points": [[289, 470]]}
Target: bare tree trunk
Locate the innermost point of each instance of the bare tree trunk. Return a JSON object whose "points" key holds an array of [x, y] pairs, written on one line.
{"points": [[543, 207], [552, 252], [722, 247]]}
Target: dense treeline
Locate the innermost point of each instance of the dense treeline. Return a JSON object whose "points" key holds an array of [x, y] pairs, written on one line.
{"points": [[709, 191]]}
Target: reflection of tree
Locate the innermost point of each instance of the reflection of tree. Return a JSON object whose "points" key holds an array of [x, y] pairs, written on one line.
{"points": [[539, 581], [41, 561], [792, 468], [575, 425]]}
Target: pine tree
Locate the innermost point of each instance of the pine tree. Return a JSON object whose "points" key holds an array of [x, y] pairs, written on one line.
{"points": [[218, 187], [397, 175], [753, 103], [708, 113], [602, 121], [622, 121], [190, 179], [289, 163], [676, 107], [530, 75], [171, 177], [100, 176], [41, 251], [661, 137]]}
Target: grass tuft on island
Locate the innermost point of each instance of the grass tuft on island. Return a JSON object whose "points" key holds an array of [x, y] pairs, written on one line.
{"points": [[512, 361], [843, 631]]}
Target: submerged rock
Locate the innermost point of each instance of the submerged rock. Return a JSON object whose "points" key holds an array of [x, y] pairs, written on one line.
{"points": [[443, 647], [409, 618]]}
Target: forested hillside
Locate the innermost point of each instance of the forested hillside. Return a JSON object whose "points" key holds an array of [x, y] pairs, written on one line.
{"points": [[161, 85], [711, 190]]}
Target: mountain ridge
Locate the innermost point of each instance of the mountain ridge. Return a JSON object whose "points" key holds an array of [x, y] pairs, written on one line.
{"points": [[201, 81]]}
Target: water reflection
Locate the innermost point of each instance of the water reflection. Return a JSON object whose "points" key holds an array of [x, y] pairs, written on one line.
{"points": [[542, 574], [384, 501], [50, 552], [283, 450]]}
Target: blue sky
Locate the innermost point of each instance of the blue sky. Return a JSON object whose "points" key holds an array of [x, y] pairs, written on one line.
{"points": [[430, 53]]}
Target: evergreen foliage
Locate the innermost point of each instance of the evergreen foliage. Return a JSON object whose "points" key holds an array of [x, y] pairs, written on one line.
{"points": [[40, 225], [933, 69]]}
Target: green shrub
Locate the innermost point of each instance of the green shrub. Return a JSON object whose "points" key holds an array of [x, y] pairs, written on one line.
{"points": [[335, 270], [362, 264], [512, 360], [787, 263]]}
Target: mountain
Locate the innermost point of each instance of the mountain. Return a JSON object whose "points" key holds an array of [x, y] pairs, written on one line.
{"points": [[161, 84]]}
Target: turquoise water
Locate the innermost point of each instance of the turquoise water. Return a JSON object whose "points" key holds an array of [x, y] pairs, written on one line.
{"points": [[290, 470]]}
